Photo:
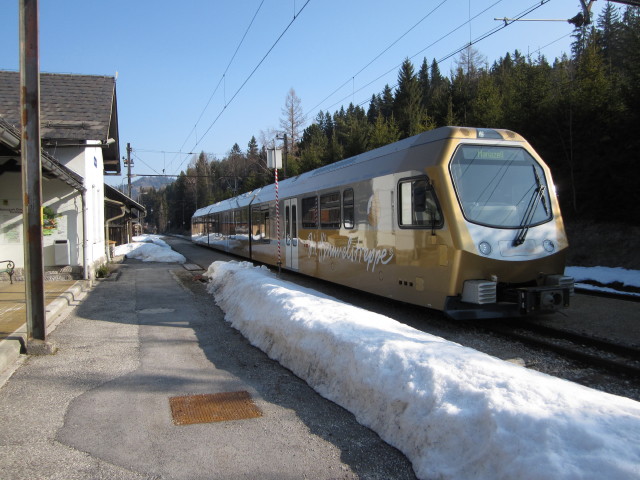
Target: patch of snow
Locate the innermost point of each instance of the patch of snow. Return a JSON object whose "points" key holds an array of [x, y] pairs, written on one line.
{"points": [[605, 276], [149, 248], [453, 411]]}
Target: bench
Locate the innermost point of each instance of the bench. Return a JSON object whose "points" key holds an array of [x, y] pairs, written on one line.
{"points": [[8, 269]]}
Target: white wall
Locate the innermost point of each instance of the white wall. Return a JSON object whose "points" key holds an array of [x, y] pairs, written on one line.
{"points": [[11, 233], [88, 163], [66, 204], [94, 183]]}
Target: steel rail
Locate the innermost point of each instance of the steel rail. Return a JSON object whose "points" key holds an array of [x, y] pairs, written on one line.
{"points": [[620, 359], [613, 295]]}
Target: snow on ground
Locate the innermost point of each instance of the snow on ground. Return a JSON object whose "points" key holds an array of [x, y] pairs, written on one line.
{"points": [[149, 248], [605, 276], [150, 238], [453, 411]]}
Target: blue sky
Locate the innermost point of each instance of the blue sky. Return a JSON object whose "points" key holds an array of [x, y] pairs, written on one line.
{"points": [[170, 57]]}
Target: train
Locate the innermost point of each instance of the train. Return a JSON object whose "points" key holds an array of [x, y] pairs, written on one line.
{"points": [[457, 219]]}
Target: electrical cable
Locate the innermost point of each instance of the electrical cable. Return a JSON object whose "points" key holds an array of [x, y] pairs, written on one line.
{"points": [[221, 79], [136, 156], [497, 29], [248, 78], [379, 55], [478, 39], [395, 68]]}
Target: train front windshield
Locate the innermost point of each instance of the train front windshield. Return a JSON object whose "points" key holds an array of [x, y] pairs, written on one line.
{"points": [[500, 187]]}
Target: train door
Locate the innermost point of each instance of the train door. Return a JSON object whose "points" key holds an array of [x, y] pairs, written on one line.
{"points": [[291, 233]]}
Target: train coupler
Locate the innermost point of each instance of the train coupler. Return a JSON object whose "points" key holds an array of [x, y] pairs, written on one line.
{"points": [[533, 300]]}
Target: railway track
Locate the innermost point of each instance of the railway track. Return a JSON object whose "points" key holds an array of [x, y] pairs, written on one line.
{"points": [[588, 350], [616, 295]]}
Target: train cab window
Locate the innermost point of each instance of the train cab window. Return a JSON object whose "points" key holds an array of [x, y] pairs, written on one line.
{"points": [[417, 204], [330, 210], [310, 212], [347, 208], [502, 187]]}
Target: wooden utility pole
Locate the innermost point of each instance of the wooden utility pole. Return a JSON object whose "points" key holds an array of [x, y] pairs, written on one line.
{"points": [[129, 167], [32, 178], [128, 223]]}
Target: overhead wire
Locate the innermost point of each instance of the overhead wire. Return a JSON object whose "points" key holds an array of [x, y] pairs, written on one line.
{"points": [[467, 45], [351, 79], [379, 55], [149, 166], [395, 68], [496, 29], [248, 77], [221, 79]]}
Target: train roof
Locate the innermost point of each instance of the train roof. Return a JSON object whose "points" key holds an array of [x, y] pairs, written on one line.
{"points": [[375, 162]]}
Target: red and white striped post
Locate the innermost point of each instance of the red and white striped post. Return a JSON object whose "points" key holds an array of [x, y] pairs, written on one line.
{"points": [[278, 223], [274, 160]]}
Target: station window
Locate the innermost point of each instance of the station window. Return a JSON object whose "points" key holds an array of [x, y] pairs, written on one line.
{"points": [[310, 212], [417, 204], [330, 210], [347, 208]]}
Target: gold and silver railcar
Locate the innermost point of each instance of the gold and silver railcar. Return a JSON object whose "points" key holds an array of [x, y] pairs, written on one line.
{"points": [[462, 220]]}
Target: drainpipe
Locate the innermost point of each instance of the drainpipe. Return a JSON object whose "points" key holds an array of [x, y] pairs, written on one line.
{"points": [[106, 223], [85, 241]]}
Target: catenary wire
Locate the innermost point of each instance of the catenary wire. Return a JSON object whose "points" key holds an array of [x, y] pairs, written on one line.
{"points": [[247, 79], [478, 39], [395, 68], [219, 81], [379, 55]]}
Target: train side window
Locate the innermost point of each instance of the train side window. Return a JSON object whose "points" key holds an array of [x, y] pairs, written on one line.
{"points": [[418, 205], [294, 223], [330, 210], [267, 225], [259, 221], [310, 212], [347, 208]]}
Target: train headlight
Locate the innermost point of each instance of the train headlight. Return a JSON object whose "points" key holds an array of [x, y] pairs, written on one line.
{"points": [[484, 248], [549, 246]]}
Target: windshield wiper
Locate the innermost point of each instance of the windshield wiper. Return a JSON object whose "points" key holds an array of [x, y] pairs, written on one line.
{"points": [[541, 188], [538, 195]]}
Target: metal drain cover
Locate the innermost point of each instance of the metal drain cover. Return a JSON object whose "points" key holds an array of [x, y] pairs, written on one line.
{"points": [[192, 267], [213, 407]]}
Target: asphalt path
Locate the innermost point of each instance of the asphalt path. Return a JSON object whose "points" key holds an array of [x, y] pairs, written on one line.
{"points": [[99, 408]]}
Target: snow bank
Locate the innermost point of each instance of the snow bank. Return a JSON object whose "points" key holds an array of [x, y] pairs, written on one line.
{"points": [[149, 248], [150, 238], [453, 411], [605, 276]]}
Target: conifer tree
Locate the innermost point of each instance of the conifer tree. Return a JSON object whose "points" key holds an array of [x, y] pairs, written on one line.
{"points": [[374, 109], [407, 105], [425, 84], [386, 102]]}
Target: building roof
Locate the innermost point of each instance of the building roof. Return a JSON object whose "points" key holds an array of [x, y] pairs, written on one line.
{"points": [[73, 109], [10, 159], [114, 194]]}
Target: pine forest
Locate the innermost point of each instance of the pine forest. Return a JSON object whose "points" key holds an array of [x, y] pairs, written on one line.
{"points": [[580, 112]]}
